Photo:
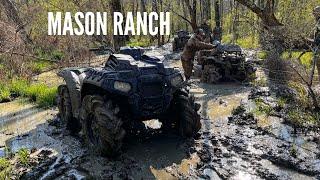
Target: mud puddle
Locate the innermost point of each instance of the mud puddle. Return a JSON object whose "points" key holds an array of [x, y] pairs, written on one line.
{"points": [[18, 118]]}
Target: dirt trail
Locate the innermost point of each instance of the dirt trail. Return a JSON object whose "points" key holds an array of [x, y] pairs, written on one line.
{"points": [[223, 150]]}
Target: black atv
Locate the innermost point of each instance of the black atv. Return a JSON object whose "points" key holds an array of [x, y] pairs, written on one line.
{"points": [[104, 102], [225, 63]]}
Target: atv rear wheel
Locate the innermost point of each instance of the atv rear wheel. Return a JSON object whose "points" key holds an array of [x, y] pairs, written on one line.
{"points": [[65, 110], [102, 128], [183, 115], [211, 74]]}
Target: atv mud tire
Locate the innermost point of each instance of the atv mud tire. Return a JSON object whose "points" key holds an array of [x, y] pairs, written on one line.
{"points": [[102, 127], [211, 74], [183, 115], [65, 110]]}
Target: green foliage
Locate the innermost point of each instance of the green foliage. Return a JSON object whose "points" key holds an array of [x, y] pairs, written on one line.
{"points": [[260, 82], [49, 54], [4, 93], [262, 55], [248, 42], [282, 102], [302, 97], [305, 60], [293, 151], [47, 97], [39, 66], [142, 42], [41, 94], [23, 156], [18, 86], [262, 108], [227, 38], [300, 117], [5, 168]]}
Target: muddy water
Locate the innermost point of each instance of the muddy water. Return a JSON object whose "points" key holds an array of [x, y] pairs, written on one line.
{"points": [[17, 118]]}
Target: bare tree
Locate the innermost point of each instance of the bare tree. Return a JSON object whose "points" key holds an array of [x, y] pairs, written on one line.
{"points": [[13, 15]]}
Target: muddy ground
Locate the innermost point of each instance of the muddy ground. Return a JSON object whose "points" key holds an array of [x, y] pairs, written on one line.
{"points": [[241, 147]]}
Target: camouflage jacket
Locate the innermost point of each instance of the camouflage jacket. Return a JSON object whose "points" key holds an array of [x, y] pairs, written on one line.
{"points": [[317, 34], [193, 45]]}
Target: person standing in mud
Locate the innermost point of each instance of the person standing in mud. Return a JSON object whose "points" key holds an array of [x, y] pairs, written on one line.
{"points": [[194, 44]]}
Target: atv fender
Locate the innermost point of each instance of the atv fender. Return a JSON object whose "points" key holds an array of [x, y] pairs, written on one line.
{"points": [[73, 83]]}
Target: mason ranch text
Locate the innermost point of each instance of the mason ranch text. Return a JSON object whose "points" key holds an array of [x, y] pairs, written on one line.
{"points": [[91, 23]]}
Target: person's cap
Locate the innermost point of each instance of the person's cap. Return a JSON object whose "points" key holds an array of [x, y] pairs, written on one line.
{"points": [[200, 32]]}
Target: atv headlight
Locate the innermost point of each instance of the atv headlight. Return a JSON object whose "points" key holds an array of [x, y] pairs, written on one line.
{"points": [[176, 80], [122, 86]]}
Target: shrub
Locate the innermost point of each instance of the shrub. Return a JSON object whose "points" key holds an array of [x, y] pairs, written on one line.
{"points": [[142, 42], [248, 42], [47, 98], [260, 82], [262, 55], [305, 60], [39, 66], [227, 38], [262, 107], [5, 168], [18, 86], [23, 156], [41, 94], [4, 93]]}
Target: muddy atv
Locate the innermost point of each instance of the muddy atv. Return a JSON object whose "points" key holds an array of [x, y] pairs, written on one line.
{"points": [[225, 63], [180, 40], [105, 102]]}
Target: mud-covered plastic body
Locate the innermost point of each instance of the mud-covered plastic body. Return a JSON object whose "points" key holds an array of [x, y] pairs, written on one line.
{"points": [[145, 87], [226, 62], [107, 102]]}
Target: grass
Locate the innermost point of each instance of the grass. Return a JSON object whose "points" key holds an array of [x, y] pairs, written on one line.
{"points": [[142, 42], [262, 55], [301, 118], [248, 42], [4, 93], [18, 86], [41, 94], [5, 168], [263, 82], [40, 66], [262, 108], [23, 156]]}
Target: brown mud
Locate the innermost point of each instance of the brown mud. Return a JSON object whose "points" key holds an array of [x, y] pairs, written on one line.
{"points": [[225, 148]]}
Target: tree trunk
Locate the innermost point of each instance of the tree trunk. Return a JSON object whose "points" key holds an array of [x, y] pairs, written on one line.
{"points": [[193, 13], [13, 15], [143, 6], [118, 41]]}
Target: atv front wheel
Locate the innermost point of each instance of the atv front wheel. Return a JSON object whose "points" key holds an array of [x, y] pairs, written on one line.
{"points": [[65, 110], [183, 115], [102, 128]]}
